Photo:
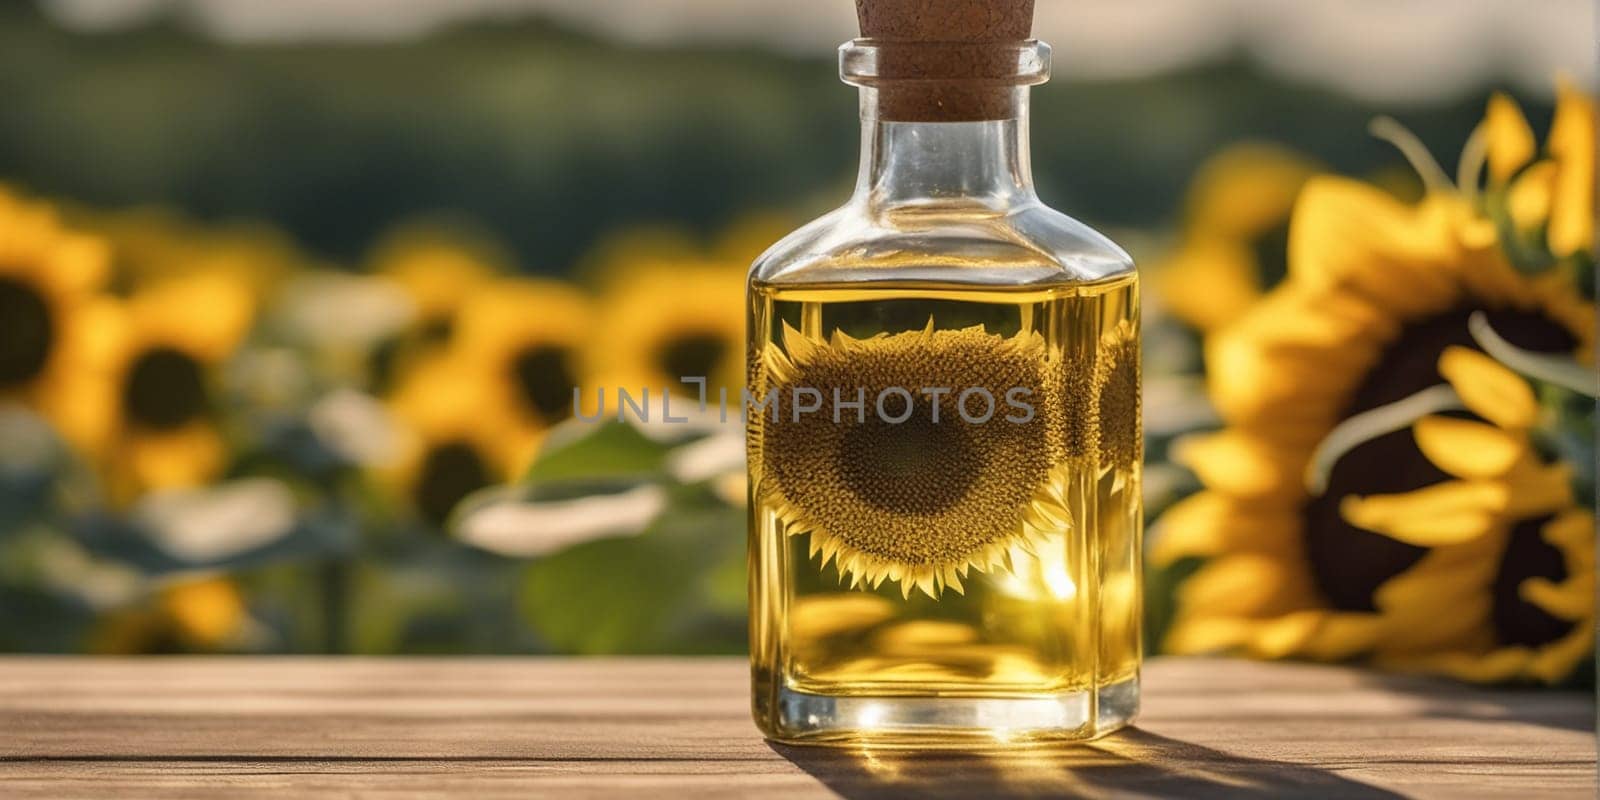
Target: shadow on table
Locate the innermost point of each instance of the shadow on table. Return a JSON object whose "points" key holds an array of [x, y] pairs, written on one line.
{"points": [[1130, 762], [1529, 705]]}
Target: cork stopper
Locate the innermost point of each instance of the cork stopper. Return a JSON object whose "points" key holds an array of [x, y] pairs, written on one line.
{"points": [[946, 20], [946, 60]]}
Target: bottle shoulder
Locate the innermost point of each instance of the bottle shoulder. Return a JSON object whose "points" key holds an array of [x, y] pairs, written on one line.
{"points": [[1022, 245]]}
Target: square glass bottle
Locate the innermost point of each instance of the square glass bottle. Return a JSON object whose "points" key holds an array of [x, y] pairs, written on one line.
{"points": [[944, 421]]}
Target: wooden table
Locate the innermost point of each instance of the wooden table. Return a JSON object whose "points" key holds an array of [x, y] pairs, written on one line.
{"points": [[680, 727]]}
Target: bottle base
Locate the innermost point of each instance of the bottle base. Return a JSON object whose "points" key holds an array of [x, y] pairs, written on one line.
{"points": [[951, 722]]}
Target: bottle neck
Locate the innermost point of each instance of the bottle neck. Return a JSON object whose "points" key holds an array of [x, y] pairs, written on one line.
{"points": [[985, 163]]}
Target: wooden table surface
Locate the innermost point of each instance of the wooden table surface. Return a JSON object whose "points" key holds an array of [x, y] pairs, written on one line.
{"points": [[680, 727]]}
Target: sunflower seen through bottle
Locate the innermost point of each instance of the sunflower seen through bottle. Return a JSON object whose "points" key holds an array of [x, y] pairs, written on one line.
{"points": [[943, 421]]}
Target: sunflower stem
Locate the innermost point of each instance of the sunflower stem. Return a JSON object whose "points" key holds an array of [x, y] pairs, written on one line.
{"points": [[334, 578], [1469, 170], [1369, 425], [1416, 153], [1550, 368]]}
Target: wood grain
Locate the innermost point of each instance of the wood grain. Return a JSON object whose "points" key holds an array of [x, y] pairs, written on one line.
{"points": [[675, 727]]}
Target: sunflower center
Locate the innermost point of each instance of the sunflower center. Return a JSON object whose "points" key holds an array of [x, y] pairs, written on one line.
{"points": [[694, 355], [450, 471], [437, 329], [165, 389], [382, 363], [890, 492], [1121, 436], [26, 333], [1527, 555], [1271, 249], [545, 380], [1348, 563], [916, 467]]}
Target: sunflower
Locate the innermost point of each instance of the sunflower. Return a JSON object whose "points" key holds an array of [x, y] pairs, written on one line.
{"points": [[447, 451], [153, 245], [165, 425], [1235, 225], [438, 270], [55, 325], [909, 494], [521, 339], [1507, 589], [621, 251], [1117, 400], [661, 321], [746, 238], [1377, 489], [187, 615], [475, 411]]}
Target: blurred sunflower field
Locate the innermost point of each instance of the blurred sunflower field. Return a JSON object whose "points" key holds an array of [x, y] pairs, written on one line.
{"points": [[292, 311]]}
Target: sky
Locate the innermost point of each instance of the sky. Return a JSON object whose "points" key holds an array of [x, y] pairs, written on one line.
{"points": [[1385, 50]]}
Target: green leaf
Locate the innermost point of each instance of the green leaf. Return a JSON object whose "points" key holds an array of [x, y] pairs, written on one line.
{"points": [[634, 595], [604, 451], [728, 584]]}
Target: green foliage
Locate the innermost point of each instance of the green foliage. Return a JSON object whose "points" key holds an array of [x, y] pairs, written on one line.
{"points": [[666, 588], [634, 595], [610, 451]]}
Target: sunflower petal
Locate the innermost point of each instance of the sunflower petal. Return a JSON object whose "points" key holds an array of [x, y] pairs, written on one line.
{"points": [[800, 348], [1342, 635], [1531, 194], [1510, 137], [1494, 666], [1538, 489], [206, 315], [1571, 599], [1555, 661], [189, 456], [1347, 233], [1245, 189], [1239, 464], [1211, 523], [1449, 623], [1488, 388], [1572, 144], [206, 610], [1286, 635], [1436, 604], [1206, 634], [953, 580], [1572, 531], [80, 263], [1208, 283], [1468, 449], [1244, 584], [1313, 633], [1290, 360], [1445, 513]]}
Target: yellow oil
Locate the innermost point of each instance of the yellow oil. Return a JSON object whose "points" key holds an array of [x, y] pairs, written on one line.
{"points": [[904, 605]]}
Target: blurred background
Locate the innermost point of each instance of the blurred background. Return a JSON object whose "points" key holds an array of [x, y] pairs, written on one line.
{"points": [[286, 285]]}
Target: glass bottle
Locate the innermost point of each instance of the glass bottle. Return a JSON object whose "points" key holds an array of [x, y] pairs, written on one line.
{"points": [[943, 423]]}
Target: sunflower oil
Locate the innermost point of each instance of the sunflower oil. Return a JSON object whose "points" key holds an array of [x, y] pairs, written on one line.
{"points": [[945, 509]]}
